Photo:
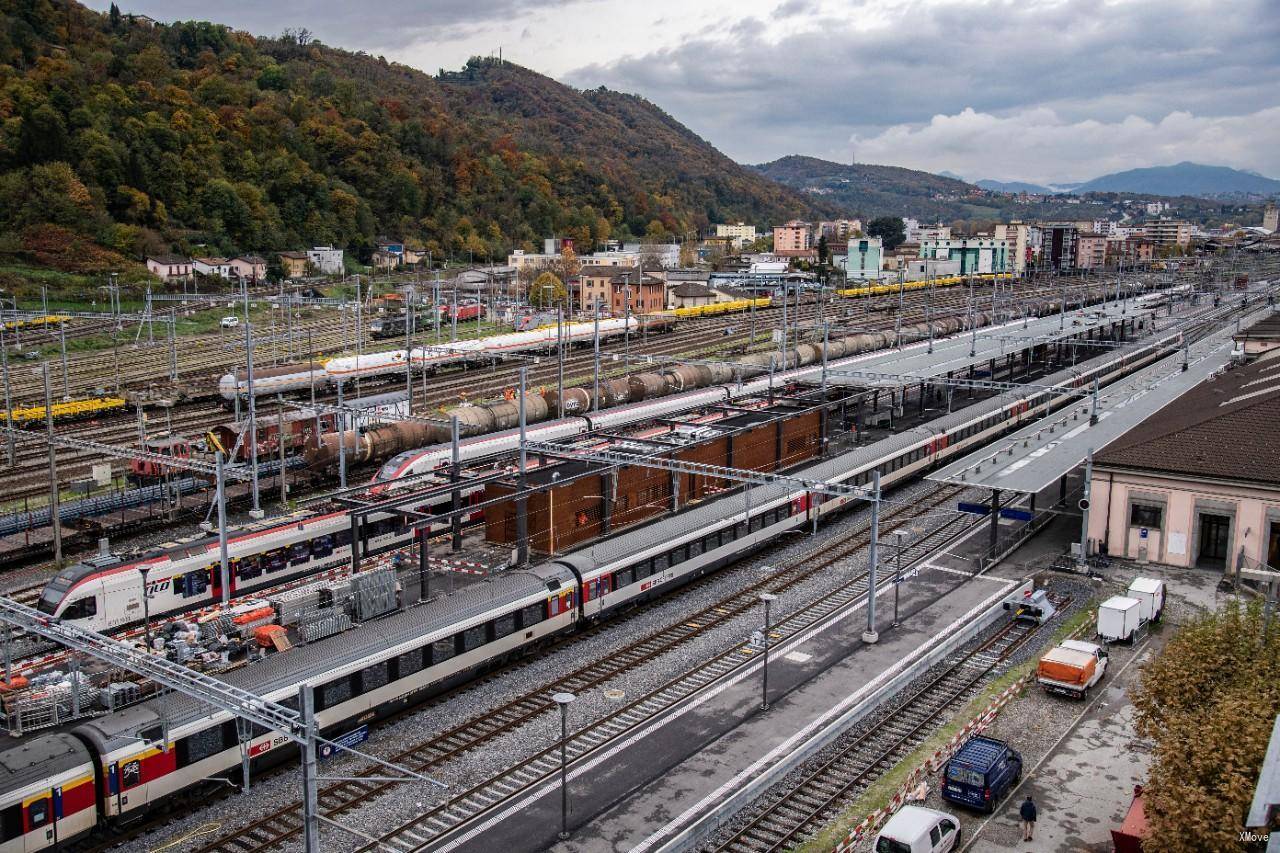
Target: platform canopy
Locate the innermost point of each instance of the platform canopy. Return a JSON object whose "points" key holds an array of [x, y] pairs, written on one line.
{"points": [[887, 368], [1038, 455]]}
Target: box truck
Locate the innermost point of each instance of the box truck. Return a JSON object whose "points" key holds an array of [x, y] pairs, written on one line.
{"points": [[1119, 619]]}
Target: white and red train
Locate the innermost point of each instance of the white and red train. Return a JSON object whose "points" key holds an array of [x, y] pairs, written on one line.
{"points": [[122, 766], [302, 377]]}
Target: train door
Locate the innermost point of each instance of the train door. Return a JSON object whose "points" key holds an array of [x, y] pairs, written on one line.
{"points": [[39, 822]]}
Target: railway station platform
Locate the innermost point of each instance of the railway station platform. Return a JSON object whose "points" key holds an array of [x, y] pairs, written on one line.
{"points": [[662, 787]]}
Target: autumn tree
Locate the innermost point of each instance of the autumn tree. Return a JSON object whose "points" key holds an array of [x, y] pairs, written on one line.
{"points": [[547, 291], [1208, 702]]}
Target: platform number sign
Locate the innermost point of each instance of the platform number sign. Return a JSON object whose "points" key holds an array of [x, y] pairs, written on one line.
{"points": [[1143, 533]]}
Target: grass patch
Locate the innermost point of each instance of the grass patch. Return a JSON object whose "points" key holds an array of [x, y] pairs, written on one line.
{"points": [[878, 795]]}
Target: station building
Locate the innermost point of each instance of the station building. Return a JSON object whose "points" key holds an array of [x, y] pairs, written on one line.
{"points": [[1197, 484]]}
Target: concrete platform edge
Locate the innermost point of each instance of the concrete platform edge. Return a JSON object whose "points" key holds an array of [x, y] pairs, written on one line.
{"points": [[745, 791]]}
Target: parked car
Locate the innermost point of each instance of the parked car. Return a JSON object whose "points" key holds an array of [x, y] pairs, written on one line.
{"points": [[915, 829], [230, 322], [1071, 668], [981, 772]]}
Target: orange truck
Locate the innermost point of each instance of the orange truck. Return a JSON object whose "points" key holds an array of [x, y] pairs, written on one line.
{"points": [[1071, 668]]}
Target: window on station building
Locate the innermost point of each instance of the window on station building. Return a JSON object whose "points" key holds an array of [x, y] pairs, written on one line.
{"points": [[1146, 515]]}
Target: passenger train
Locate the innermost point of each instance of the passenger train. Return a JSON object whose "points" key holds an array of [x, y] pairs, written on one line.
{"points": [[290, 378], [119, 767]]}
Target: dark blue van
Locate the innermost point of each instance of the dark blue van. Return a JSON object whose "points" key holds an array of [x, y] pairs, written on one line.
{"points": [[980, 773]]}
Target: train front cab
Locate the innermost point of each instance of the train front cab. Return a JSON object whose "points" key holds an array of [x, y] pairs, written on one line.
{"points": [[132, 764], [48, 797]]}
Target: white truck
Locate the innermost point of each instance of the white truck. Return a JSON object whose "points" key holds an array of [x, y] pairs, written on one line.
{"points": [[1119, 618], [1071, 668], [1150, 595]]}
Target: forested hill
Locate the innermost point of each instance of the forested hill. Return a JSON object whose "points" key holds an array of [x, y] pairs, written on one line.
{"points": [[147, 139]]}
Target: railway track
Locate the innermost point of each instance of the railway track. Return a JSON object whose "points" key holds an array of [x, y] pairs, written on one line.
{"points": [[819, 795], [280, 826]]}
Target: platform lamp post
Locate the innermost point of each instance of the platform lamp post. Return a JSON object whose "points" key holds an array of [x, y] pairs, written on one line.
{"points": [[146, 606], [563, 700], [768, 598], [870, 635], [898, 536]]}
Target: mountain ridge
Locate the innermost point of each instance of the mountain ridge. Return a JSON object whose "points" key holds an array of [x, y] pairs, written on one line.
{"points": [[1185, 178]]}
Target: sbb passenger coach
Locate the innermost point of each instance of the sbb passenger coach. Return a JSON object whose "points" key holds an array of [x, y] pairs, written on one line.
{"points": [[125, 761]]}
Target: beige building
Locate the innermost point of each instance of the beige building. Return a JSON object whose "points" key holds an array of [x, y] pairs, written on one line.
{"points": [[1271, 217], [1017, 235], [738, 234], [1091, 251], [1198, 483], [1168, 232]]}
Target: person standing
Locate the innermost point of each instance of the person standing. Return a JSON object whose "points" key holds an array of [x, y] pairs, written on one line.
{"points": [[1028, 813]]}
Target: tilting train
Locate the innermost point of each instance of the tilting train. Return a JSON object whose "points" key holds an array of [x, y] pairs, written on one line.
{"points": [[289, 378], [119, 767]]}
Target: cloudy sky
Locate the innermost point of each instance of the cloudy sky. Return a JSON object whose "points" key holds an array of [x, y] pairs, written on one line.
{"points": [[1038, 90]]}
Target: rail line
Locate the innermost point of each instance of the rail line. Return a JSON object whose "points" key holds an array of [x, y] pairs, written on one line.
{"points": [[817, 798], [283, 824]]}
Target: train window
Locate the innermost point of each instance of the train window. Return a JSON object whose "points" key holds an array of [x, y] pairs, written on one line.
{"points": [[11, 823], [248, 567], [504, 625], [695, 547], [277, 559], [342, 538], [81, 608], [195, 583], [334, 693], [474, 637], [532, 615], [658, 564], [38, 813], [374, 677], [199, 746], [626, 577], [322, 546], [409, 663], [442, 650], [299, 552]]}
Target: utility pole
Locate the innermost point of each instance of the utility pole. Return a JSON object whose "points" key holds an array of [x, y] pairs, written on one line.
{"points": [[870, 635], [55, 516], [256, 512], [522, 519], [8, 396], [767, 598], [224, 564], [595, 397]]}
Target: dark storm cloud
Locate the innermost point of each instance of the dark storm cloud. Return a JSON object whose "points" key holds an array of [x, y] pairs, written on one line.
{"points": [[760, 94]]}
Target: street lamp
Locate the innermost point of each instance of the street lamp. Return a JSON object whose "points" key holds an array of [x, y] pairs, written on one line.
{"points": [[898, 536], [768, 598], [563, 700]]}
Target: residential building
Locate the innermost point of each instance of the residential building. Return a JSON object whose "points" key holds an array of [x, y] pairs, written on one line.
{"points": [[294, 264], [1131, 250], [251, 268], [1091, 251], [1169, 232], [1271, 217], [980, 254], [840, 229], [520, 259], [1058, 249], [326, 259], [593, 284], [384, 260], [911, 228], [220, 267], [1155, 208], [739, 234], [932, 232], [413, 257], [645, 295], [1018, 236], [795, 236], [692, 294], [170, 267], [920, 269], [1198, 483], [864, 258]]}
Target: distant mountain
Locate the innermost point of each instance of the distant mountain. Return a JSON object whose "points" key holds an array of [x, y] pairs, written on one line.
{"points": [[944, 173], [1013, 187], [881, 190], [1193, 179]]}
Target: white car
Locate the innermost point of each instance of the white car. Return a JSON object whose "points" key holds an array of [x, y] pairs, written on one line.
{"points": [[915, 829], [230, 322]]}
